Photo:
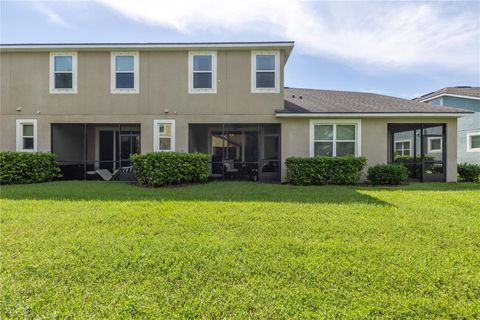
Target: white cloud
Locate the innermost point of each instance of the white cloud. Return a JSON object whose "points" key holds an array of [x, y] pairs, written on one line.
{"points": [[392, 35], [52, 17]]}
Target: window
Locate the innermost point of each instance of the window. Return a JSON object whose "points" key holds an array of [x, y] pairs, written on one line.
{"points": [[434, 144], [335, 138], [164, 135], [124, 68], [403, 147], [265, 71], [27, 135], [63, 72], [202, 72], [473, 142]]}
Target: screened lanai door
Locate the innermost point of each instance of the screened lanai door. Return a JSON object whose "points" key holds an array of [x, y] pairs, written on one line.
{"points": [[239, 151], [421, 148]]}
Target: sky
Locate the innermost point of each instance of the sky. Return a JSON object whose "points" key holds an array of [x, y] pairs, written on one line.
{"points": [[396, 48]]}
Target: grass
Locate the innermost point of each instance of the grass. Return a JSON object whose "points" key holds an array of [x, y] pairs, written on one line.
{"points": [[239, 250]]}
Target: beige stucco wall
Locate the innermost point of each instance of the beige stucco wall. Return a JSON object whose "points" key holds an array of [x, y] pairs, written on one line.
{"points": [[374, 138], [294, 142], [163, 84]]}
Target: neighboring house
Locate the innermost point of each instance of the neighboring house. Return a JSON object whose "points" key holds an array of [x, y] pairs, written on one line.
{"points": [[468, 127], [95, 104]]}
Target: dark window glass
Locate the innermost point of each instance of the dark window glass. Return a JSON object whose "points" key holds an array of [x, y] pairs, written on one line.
{"points": [[265, 79], [202, 80], [63, 63], [345, 149], [125, 80], [323, 149], [266, 62], [475, 143], [202, 63], [27, 143], [63, 80], [435, 144]]}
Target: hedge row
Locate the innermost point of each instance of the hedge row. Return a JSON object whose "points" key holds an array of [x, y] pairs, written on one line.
{"points": [[324, 170], [392, 174], [165, 168], [469, 172], [27, 167]]}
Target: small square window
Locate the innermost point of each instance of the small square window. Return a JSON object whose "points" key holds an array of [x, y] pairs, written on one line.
{"points": [[473, 142], [434, 144]]}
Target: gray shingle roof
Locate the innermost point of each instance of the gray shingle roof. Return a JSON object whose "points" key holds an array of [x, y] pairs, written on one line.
{"points": [[461, 91], [299, 100]]}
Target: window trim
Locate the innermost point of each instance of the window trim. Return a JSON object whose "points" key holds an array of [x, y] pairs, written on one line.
{"points": [[403, 149], [334, 122], [113, 73], [469, 140], [19, 134], [254, 88], [429, 146], [52, 88], [191, 89], [156, 135]]}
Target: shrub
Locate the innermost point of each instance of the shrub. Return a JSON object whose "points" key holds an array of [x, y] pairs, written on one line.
{"points": [[393, 174], [165, 168], [469, 172], [324, 170], [27, 167]]}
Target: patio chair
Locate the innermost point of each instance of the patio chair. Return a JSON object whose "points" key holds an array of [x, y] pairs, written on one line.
{"points": [[230, 170], [107, 175]]}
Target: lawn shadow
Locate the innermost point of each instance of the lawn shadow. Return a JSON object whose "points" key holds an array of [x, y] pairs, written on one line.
{"points": [[231, 191], [432, 186]]}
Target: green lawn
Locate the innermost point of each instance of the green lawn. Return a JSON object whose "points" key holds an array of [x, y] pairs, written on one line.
{"points": [[239, 250]]}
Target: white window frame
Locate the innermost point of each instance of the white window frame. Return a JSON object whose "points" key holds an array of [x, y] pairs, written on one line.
{"points": [[254, 55], [469, 141], [358, 136], [429, 145], [74, 88], [156, 134], [193, 90], [20, 124], [113, 73], [403, 149]]}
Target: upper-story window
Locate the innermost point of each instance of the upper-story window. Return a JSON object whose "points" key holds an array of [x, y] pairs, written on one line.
{"points": [[124, 67], [265, 71], [202, 72], [26, 135], [63, 72]]}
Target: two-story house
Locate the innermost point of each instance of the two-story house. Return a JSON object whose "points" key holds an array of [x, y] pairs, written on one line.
{"points": [[95, 104], [468, 128]]}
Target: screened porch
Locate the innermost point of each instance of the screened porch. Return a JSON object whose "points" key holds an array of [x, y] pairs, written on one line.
{"points": [[95, 151], [239, 151]]}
